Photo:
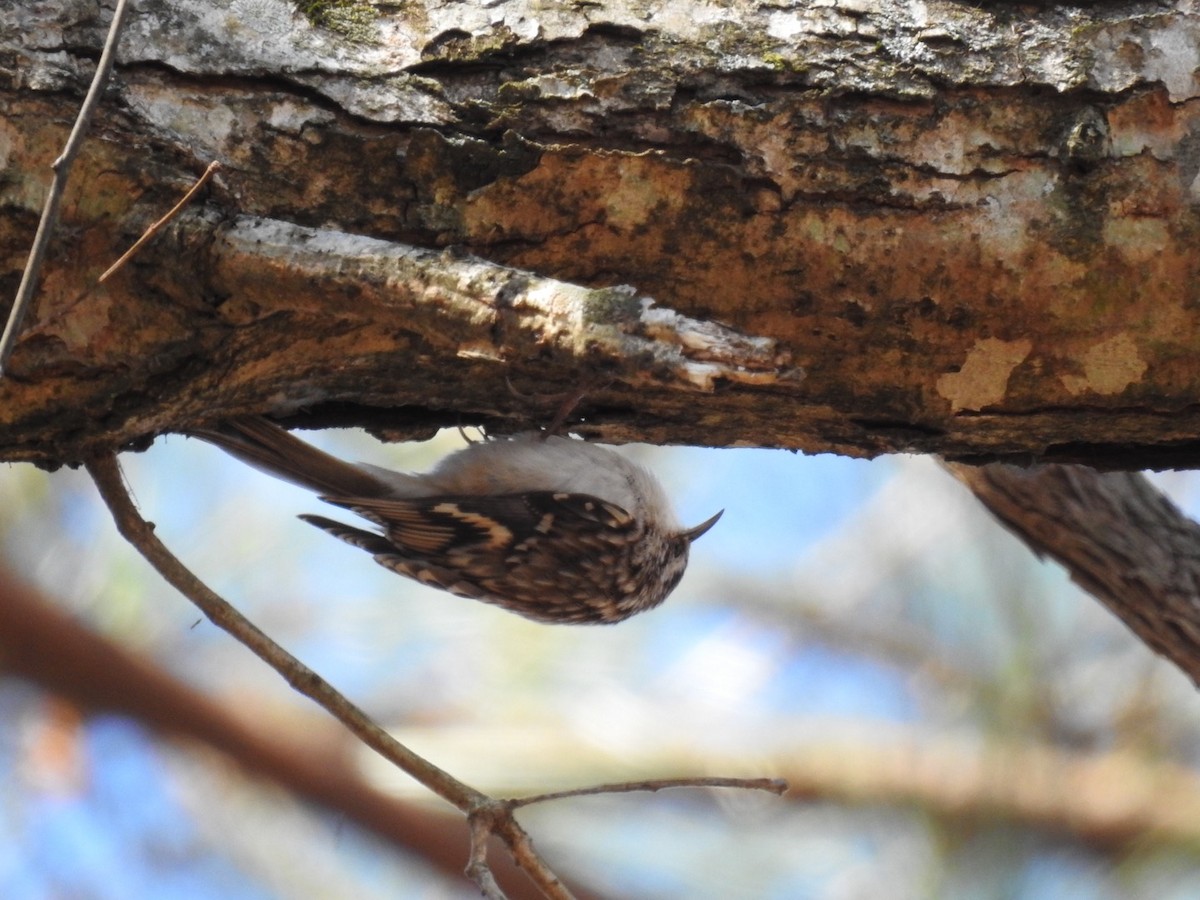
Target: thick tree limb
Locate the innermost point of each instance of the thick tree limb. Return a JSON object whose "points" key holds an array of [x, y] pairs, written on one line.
{"points": [[972, 226], [1117, 535]]}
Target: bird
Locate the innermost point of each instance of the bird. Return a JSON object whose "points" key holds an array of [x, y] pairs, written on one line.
{"points": [[553, 528]]}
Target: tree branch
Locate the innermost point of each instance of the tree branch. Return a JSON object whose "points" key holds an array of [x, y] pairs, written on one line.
{"points": [[159, 224], [491, 313], [485, 814], [776, 786], [106, 473], [1117, 535], [973, 247]]}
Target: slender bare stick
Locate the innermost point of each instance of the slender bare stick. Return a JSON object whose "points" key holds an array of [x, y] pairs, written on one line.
{"points": [[158, 226], [477, 867], [776, 786], [106, 473], [498, 818], [62, 168], [494, 814]]}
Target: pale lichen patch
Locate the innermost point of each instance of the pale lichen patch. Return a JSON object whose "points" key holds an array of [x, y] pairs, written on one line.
{"points": [[983, 378], [1108, 367]]}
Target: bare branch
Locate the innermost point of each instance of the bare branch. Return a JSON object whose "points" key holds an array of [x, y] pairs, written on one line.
{"points": [[1118, 536], [478, 869], [106, 473], [154, 229], [777, 786], [501, 821], [62, 169]]}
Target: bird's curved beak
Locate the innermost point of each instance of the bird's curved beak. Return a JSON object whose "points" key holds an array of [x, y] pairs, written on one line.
{"points": [[692, 533]]}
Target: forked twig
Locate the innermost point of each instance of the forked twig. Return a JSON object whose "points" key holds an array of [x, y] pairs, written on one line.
{"points": [[485, 815], [58, 184], [106, 473]]}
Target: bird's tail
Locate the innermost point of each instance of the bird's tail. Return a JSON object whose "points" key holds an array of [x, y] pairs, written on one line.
{"points": [[274, 450]]}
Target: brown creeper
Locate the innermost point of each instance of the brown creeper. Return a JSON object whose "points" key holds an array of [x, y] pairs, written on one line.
{"points": [[555, 529]]}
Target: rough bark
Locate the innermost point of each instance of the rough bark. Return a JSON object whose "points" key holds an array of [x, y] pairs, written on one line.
{"points": [[1121, 540], [972, 229]]}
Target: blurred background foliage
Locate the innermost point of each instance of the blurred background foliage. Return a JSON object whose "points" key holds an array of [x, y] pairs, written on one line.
{"points": [[956, 718]]}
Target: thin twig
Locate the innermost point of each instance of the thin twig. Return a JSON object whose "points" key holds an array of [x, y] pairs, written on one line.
{"points": [[62, 168], [106, 473], [776, 786], [478, 869], [521, 846], [158, 226]]}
